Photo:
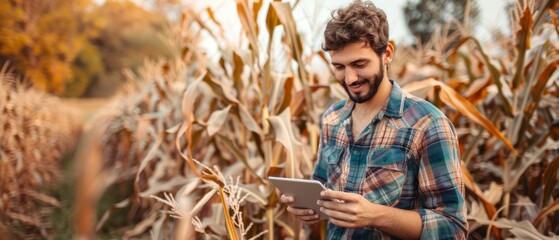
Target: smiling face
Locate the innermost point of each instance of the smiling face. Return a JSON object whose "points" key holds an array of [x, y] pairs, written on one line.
{"points": [[359, 69]]}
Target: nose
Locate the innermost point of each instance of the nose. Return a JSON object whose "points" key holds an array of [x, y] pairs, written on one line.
{"points": [[350, 76]]}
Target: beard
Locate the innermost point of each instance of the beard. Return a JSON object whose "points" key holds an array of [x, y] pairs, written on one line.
{"points": [[373, 86]]}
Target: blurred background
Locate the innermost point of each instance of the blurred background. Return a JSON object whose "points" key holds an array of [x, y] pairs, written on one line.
{"points": [[161, 119]]}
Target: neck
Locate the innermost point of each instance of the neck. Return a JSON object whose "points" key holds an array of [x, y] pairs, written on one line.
{"points": [[374, 105]]}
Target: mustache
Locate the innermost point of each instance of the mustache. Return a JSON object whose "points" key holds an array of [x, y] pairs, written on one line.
{"points": [[363, 81]]}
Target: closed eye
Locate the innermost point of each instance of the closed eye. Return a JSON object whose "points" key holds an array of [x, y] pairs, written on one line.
{"points": [[338, 67], [360, 64]]}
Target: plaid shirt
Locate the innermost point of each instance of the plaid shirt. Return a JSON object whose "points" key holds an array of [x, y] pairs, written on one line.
{"points": [[407, 157]]}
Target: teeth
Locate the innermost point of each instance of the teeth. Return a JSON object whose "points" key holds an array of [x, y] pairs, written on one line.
{"points": [[357, 84]]}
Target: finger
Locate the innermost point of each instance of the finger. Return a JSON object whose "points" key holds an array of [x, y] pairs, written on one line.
{"points": [[336, 206], [306, 215], [286, 199], [300, 211], [340, 215], [312, 221], [309, 219], [343, 196]]}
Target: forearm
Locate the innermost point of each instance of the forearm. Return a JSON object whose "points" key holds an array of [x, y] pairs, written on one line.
{"points": [[400, 223], [351, 210]]}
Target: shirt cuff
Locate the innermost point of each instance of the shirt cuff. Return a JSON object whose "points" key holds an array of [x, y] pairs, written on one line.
{"points": [[437, 226]]}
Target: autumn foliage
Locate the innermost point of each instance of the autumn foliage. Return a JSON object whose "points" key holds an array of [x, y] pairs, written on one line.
{"points": [[77, 48], [253, 113]]}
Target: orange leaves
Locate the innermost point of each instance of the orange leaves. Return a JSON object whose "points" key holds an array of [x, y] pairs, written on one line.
{"points": [[39, 46]]}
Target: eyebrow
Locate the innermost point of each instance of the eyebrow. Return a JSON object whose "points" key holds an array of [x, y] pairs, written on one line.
{"points": [[355, 61]]}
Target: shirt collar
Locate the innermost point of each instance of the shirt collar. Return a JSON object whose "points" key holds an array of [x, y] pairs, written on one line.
{"points": [[393, 108]]}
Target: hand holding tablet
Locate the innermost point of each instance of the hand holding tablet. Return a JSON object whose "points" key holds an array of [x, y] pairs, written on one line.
{"points": [[305, 192]]}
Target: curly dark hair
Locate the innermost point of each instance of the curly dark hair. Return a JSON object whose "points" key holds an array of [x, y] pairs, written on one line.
{"points": [[360, 21]]}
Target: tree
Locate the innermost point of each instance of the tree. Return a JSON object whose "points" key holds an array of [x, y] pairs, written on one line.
{"points": [[423, 16], [75, 47], [41, 39], [87, 69], [130, 33]]}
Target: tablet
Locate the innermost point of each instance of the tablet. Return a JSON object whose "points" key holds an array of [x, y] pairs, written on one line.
{"points": [[305, 192]]}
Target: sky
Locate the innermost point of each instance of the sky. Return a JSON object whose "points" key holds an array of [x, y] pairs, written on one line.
{"points": [[492, 15]]}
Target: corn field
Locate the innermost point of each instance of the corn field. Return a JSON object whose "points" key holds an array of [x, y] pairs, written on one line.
{"points": [[35, 135], [187, 146]]}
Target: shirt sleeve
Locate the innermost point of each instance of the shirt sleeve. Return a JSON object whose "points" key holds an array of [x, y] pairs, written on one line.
{"points": [[441, 188], [321, 167]]}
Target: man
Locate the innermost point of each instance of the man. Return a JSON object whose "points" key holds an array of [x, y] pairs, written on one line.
{"points": [[391, 159]]}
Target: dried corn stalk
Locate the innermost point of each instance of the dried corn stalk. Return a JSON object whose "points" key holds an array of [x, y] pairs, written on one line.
{"points": [[35, 133]]}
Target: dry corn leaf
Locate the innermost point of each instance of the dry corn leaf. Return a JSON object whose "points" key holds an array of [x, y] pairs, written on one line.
{"points": [[142, 226], [248, 120], [522, 44], [550, 180], [494, 193], [217, 119], [250, 28], [460, 104], [283, 130], [493, 71], [472, 185], [523, 229], [150, 156], [202, 202], [158, 187], [284, 13], [551, 208]]}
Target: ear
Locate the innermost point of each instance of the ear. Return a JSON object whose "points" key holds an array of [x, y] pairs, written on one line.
{"points": [[388, 54]]}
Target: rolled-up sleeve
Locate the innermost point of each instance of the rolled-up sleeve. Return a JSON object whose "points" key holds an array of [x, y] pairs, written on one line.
{"points": [[441, 188]]}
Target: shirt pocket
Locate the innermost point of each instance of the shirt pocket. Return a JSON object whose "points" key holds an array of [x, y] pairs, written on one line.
{"points": [[333, 156], [385, 175]]}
